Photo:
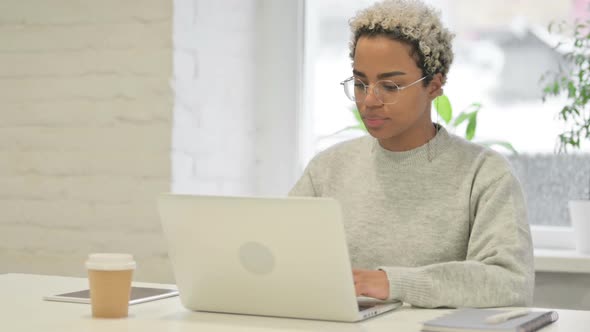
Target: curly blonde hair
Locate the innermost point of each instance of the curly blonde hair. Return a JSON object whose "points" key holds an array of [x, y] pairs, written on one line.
{"points": [[412, 22]]}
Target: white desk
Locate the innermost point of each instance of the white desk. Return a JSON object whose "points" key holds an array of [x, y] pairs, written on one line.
{"points": [[22, 309]]}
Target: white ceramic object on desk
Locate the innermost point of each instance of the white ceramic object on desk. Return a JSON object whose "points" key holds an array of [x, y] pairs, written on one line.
{"points": [[580, 217]]}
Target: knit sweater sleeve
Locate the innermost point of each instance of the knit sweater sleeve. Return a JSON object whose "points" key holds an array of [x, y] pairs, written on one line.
{"points": [[498, 269], [305, 184]]}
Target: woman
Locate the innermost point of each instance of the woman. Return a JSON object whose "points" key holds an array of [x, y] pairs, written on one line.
{"points": [[431, 219]]}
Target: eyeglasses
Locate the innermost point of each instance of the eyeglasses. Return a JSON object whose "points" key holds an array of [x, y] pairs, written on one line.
{"points": [[385, 91]]}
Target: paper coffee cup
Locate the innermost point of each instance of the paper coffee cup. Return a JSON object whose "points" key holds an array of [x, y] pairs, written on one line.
{"points": [[109, 276]]}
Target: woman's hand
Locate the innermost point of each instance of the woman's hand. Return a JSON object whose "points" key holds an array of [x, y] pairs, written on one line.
{"points": [[371, 283]]}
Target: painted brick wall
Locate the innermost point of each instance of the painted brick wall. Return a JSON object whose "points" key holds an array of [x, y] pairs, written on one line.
{"points": [[85, 132], [92, 131], [214, 130], [237, 70]]}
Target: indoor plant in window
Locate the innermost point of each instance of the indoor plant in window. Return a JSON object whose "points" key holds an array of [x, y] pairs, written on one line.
{"points": [[573, 81], [444, 110]]}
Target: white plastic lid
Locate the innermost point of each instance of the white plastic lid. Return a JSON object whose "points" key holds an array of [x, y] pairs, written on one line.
{"points": [[112, 262]]}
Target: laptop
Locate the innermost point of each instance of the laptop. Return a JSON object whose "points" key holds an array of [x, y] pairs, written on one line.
{"points": [[280, 257]]}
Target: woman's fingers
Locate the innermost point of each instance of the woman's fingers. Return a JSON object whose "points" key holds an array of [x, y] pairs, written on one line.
{"points": [[371, 283]]}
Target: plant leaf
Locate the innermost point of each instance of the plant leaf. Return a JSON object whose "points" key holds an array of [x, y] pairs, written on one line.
{"points": [[571, 89], [555, 88], [442, 104], [471, 125], [359, 120], [464, 116]]}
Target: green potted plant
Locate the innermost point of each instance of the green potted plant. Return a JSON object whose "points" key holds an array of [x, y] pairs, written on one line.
{"points": [[573, 81], [445, 111]]}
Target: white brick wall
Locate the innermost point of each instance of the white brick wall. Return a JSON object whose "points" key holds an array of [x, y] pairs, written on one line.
{"points": [[237, 75], [85, 132], [213, 127], [85, 135]]}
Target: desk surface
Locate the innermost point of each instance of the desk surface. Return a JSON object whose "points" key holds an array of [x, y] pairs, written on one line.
{"points": [[22, 309]]}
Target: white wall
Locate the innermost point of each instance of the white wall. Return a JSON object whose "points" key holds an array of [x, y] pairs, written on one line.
{"points": [[87, 115], [237, 74], [85, 132], [213, 117]]}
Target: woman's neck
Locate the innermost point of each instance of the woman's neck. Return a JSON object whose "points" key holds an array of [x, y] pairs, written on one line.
{"points": [[411, 138]]}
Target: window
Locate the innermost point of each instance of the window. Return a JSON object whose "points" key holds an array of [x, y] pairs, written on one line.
{"points": [[501, 50]]}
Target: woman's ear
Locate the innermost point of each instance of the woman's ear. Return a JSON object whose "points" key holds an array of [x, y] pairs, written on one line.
{"points": [[435, 86]]}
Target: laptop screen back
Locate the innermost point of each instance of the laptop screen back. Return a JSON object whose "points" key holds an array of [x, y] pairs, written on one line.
{"points": [[264, 256]]}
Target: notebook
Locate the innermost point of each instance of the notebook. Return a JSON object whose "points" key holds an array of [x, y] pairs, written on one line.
{"points": [[474, 320], [281, 257]]}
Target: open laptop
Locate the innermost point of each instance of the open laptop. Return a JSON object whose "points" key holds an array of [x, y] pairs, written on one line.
{"points": [[282, 257]]}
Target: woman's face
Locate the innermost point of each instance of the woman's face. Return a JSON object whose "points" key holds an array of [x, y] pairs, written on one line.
{"points": [[405, 124]]}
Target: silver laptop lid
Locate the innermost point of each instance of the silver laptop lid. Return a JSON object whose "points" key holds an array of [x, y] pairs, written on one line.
{"points": [[263, 256]]}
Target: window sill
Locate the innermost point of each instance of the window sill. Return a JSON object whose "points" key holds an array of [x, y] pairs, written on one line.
{"points": [[561, 260]]}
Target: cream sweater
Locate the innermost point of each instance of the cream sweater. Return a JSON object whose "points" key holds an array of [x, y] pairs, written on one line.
{"points": [[446, 221]]}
